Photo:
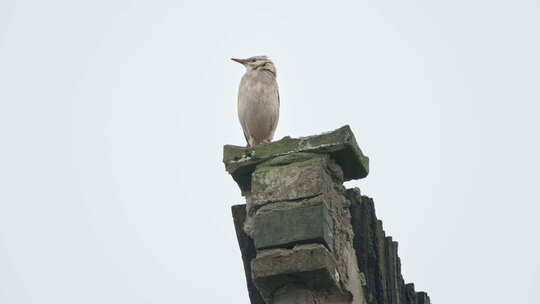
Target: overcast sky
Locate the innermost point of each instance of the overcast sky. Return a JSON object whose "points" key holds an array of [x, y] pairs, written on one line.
{"points": [[113, 115]]}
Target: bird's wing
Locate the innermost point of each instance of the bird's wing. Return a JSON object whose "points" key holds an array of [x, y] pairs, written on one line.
{"points": [[243, 123], [278, 102], [275, 108], [245, 135]]}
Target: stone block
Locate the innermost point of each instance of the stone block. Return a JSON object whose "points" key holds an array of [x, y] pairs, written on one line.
{"points": [[247, 249], [366, 243], [287, 224], [303, 178], [294, 294], [340, 144], [391, 270], [422, 298], [410, 294], [312, 266]]}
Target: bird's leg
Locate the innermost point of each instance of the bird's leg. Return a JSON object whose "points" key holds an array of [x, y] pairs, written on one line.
{"points": [[251, 142]]}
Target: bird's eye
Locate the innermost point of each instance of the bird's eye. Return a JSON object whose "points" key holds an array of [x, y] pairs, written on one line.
{"points": [[253, 59]]}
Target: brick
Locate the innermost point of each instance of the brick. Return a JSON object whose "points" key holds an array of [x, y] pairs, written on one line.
{"points": [[311, 265], [292, 223]]}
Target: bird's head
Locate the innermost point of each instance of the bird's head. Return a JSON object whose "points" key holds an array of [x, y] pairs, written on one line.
{"points": [[257, 63]]}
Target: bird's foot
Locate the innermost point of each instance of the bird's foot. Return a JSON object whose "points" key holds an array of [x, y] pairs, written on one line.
{"points": [[267, 141]]}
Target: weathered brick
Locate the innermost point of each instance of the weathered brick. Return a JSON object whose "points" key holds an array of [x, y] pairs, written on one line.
{"points": [[286, 224], [422, 298], [311, 265], [302, 179], [340, 144]]}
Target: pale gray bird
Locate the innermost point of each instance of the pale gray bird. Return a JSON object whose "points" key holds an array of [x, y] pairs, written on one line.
{"points": [[258, 100]]}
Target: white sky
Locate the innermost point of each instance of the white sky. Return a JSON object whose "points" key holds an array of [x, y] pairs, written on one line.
{"points": [[113, 115]]}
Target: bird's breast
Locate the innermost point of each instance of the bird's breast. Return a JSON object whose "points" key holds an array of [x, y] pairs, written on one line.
{"points": [[258, 104]]}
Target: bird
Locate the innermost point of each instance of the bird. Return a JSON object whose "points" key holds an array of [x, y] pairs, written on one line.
{"points": [[258, 100]]}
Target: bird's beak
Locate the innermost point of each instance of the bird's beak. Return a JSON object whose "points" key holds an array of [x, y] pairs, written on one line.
{"points": [[242, 61]]}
